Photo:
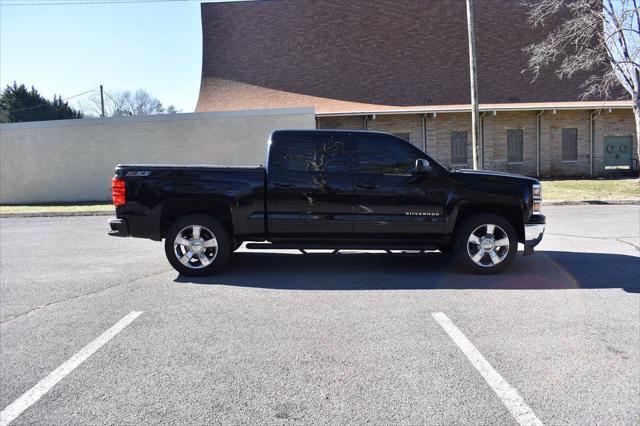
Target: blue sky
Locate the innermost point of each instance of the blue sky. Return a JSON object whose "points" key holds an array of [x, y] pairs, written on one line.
{"points": [[68, 49]]}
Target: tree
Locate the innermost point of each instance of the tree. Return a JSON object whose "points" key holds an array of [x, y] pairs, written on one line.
{"points": [[18, 104], [123, 104], [600, 37]]}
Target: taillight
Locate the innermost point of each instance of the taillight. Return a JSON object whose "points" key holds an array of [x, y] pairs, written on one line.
{"points": [[118, 191]]}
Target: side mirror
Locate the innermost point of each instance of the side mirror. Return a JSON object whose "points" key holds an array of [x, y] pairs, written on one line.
{"points": [[423, 167]]}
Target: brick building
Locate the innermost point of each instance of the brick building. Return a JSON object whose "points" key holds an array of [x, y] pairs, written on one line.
{"points": [[401, 66]]}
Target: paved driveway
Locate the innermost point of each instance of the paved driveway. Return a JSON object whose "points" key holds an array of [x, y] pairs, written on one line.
{"points": [[288, 338]]}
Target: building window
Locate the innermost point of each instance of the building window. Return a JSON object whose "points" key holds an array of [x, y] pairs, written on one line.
{"points": [[569, 144], [404, 136], [459, 148], [514, 145]]}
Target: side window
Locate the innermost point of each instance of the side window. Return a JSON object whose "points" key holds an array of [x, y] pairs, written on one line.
{"points": [[458, 147], [317, 153], [569, 144], [384, 155], [514, 145]]}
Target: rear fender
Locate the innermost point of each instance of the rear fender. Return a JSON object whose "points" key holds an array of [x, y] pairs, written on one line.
{"points": [[218, 207]]}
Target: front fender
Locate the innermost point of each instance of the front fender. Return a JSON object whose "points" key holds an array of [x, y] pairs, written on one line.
{"points": [[510, 208]]}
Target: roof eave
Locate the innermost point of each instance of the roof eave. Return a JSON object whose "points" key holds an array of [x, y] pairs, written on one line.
{"points": [[486, 108]]}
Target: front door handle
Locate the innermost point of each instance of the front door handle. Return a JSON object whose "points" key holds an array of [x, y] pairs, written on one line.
{"points": [[282, 184], [367, 185]]}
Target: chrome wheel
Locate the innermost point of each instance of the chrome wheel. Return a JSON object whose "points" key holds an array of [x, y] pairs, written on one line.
{"points": [[488, 245], [195, 246]]}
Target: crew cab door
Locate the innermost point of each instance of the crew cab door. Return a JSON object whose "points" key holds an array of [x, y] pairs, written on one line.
{"points": [[390, 200], [310, 187]]}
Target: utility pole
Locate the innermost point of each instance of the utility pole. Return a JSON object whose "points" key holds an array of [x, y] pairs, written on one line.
{"points": [[473, 75], [102, 100]]}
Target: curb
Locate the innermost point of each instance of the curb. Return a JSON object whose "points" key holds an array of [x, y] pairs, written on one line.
{"points": [[592, 202], [57, 214]]}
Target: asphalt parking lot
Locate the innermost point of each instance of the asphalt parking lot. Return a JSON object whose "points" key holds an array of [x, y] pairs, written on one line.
{"points": [[348, 338]]}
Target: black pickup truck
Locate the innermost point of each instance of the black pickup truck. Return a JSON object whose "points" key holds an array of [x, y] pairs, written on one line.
{"points": [[329, 189]]}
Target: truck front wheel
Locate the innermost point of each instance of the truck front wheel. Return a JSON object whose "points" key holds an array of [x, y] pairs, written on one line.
{"points": [[486, 243], [197, 245]]}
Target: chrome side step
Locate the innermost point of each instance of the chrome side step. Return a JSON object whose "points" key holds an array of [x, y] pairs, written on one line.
{"points": [[335, 246]]}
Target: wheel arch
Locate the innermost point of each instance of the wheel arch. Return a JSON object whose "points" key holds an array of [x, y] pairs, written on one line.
{"points": [[174, 209], [511, 213]]}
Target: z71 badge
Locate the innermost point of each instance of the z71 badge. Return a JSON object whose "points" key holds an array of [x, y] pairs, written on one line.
{"points": [[138, 174]]}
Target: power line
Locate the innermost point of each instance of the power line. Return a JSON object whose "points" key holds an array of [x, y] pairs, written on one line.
{"points": [[88, 2], [81, 94], [45, 103], [116, 103]]}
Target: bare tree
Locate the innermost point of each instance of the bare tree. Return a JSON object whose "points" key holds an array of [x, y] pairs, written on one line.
{"points": [[91, 106], [122, 104], [600, 37], [139, 103]]}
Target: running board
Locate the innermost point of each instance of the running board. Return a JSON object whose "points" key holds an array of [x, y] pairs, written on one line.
{"points": [[335, 246]]}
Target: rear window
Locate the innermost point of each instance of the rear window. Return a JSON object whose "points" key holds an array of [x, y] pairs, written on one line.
{"points": [[310, 153]]}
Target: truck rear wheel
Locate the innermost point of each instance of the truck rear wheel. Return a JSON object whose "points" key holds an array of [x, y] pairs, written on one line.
{"points": [[486, 243], [197, 245]]}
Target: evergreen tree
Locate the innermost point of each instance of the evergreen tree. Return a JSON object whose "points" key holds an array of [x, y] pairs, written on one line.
{"points": [[18, 104], [60, 110]]}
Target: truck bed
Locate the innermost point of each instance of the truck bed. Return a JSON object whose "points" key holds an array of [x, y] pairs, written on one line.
{"points": [[186, 166], [157, 194]]}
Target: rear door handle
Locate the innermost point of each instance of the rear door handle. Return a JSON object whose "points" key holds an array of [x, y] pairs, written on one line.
{"points": [[367, 185], [282, 184]]}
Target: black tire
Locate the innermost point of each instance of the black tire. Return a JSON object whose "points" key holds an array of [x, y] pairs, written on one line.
{"points": [[473, 256], [210, 230]]}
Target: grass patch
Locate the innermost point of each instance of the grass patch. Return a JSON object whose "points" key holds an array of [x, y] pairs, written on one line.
{"points": [[592, 189], [57, 208]]}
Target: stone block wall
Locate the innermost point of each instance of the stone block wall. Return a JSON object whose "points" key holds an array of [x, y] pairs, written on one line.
{"points": [[495, 127]]}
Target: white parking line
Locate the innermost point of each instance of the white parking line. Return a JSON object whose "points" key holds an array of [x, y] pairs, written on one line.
{"points": [[507, 393], [28, 398]]}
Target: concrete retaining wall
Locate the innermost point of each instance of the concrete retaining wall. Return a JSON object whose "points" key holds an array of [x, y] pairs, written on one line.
{"points": [[73, 160]]}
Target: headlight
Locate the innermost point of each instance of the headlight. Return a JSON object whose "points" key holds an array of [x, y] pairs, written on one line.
{"points": [[537, 190], [537, 198]]}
